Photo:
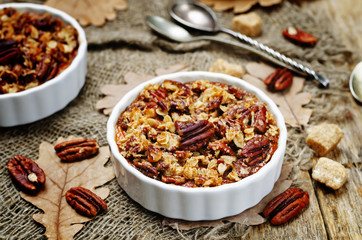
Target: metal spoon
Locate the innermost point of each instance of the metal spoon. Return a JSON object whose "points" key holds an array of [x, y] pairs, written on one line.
{"points": [[355, 82], [199, 17], [176, 33]]}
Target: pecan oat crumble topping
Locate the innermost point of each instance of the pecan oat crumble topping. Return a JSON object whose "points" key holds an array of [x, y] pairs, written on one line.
{"points": [[197, 134], [34, 48]]}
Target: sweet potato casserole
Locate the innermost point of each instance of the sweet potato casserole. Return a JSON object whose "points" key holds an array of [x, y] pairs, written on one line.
{"points": [[196, 134], [34, 48]]}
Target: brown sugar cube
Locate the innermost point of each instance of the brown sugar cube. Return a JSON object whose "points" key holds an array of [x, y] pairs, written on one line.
{"points": [[222, 66], [324, 138], [329, 172], [248, 24]]}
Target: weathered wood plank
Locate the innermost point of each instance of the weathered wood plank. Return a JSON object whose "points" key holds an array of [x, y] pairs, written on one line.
{"points": [[342, 209], [308, 225], [346, 16]]}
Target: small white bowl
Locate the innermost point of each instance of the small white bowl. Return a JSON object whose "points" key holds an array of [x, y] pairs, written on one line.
{"points": [[196, 204], [44, 100]]}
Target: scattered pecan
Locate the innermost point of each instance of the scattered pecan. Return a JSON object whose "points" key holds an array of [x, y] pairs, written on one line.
{"points": [[260, 123], [147, 169], [76, 150], [219, 146], [256, 150], [85, 202], [194, 135], [286, 206], [178, 180], [279, 80], [26, 173], [300, 37]]}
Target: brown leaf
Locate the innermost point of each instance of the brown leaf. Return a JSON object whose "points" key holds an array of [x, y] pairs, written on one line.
{"points": [[89, 11], [249, 217], [290, 101], [114, 92], [239, 6], [59, 218]]}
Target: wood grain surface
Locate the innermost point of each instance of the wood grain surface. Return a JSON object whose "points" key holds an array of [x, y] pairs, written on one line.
{"points": [[333, 214]]}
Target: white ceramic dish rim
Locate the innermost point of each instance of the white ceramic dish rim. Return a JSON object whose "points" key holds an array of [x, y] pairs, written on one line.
{"points": [[130, 96], [82, 49]]}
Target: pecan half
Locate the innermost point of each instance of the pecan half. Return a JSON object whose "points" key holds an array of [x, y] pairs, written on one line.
{"points": [[178, 180], [9, 55], [300, 37], [260, 123], [159, 95], [279, 80], [154, 154], [286, 206], [194, 135], [76, 150], [147, 169], [47, 68], [85, 202], [26, 173], [256, 150], [215, 103], [222, 147]]}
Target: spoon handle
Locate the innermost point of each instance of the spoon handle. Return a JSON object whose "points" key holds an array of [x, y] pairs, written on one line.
{"points": [[295, 65]]}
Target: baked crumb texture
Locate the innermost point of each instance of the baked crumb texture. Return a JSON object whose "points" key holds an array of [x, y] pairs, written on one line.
{"points": [[324, 138], [222, 66], [329, 172], [34, 48], [197, 134], [248, 24]]}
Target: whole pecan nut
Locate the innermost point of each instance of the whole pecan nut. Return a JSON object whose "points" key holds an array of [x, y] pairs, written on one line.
{"points": [[76, 150], [300, 37], [279, 80], [85, 202], [286, 206], [194, 135], [26, 173], [256, 150]]}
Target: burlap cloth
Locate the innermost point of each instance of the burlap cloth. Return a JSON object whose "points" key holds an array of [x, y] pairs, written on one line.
{"points": [[127, 44]]}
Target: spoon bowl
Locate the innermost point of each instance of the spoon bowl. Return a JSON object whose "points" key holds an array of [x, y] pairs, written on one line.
{"points": [[355, 82], [169, 29], [194, 15]]}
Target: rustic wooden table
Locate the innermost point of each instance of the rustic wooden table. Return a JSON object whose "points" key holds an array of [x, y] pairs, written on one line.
{"points": [[333, 214]]}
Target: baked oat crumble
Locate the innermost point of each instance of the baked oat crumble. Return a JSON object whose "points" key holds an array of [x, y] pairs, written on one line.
{"points": [[34, 48], [197, 134]]}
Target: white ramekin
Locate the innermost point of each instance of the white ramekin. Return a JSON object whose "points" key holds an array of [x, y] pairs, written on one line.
{"points": [[196, 203], [42, 101]]}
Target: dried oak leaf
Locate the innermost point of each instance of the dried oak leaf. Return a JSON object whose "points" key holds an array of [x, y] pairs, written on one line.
{"points": [[249, 217], [290, 101], [238, 6], [59, 218], [89, 11], [114, 92]]}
